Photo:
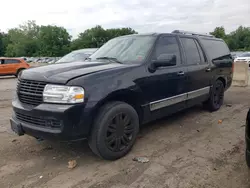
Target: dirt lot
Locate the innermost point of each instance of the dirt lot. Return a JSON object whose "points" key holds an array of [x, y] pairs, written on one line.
{"points": [[189, 149]]}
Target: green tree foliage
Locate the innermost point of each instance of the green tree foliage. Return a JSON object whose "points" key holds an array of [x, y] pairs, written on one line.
{"points": [[219, 32], [23, 40], [53, 41], [238, 40], [31, 39], [4, 40], [97, 36]]}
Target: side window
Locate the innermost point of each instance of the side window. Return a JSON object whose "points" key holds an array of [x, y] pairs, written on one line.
{"points": [[167, 45], [202, 56], [215, 48], [191, 51], [11, 61]]}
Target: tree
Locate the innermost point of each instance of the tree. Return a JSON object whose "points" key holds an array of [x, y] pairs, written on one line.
{"points": [[53, 41], [3, 43], [219, 32], [97, 36], [23, 40]]}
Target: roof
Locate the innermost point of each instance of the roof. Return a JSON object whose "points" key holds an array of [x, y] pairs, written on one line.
{"points": [[177, 32]]}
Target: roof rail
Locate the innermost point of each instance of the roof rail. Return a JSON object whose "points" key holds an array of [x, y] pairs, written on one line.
{"points": [[191, 33]]}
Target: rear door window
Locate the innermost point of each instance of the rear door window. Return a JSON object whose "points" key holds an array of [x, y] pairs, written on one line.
{"points": [[11, 61], [191, 51]]}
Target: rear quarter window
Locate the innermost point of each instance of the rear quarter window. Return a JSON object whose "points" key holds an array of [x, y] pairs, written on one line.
{"points": [[215, 48]]}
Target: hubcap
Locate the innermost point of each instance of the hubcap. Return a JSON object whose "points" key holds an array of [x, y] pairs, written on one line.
{"points": [[120, 132]]}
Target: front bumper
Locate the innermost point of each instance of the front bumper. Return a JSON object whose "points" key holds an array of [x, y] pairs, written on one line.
{"points": [[50, 121]]}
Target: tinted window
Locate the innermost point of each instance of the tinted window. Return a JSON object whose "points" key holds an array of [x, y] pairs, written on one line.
{"points": [[191, 51], [215, 48], [11, 61], [167, 45], [202, 56]]}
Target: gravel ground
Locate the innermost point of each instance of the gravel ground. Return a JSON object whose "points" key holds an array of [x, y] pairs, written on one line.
{"points": [[189, 149]]}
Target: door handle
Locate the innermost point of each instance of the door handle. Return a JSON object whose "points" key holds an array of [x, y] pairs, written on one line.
{"points": [[208, 69], [180, 73]]}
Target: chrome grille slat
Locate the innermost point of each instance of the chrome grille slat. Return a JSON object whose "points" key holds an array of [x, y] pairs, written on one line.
{"points": [[30, 92]]}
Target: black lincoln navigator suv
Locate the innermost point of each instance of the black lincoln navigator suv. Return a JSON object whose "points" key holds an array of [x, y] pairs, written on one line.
{"points": [[129, 81]]}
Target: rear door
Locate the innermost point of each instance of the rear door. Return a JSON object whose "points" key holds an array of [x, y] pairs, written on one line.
{"points": [[11, 65], [198, 70]]}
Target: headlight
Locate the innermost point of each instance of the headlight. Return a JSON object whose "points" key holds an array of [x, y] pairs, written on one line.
{"points": [[63, 94]]}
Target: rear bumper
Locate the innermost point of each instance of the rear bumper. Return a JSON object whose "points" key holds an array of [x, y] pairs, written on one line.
{"points": [[50, 121]]}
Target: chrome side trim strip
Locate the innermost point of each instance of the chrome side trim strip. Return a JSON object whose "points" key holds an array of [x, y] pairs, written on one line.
{"points": [[167, 102], [155, 105], [198, 93]]}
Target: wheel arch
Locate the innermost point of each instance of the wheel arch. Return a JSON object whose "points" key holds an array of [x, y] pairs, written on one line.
{"points": [[124, 95], [223, 80]]}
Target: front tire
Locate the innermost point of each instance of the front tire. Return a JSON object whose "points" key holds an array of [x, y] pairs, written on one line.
{"points": [[18, 72], [216, 98], [114, 130]]}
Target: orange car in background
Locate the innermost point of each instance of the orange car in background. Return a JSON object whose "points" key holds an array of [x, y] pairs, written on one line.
{"points": [[12, 66]]}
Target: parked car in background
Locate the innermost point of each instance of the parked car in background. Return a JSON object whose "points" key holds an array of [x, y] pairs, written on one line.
{"points": [[130, 80], [243, 57], [12, 66], [77, 55]]}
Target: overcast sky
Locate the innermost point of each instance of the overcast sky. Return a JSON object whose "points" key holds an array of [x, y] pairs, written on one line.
{"points": [[141, 15]]}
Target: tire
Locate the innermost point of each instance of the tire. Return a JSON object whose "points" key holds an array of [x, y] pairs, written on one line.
{"points": [[247, 158], [18, 72], [114, 130], [216, 98]]}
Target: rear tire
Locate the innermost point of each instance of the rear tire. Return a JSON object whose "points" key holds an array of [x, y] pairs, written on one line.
{"points": [[247, 159], [216, 98], [114, 130]]}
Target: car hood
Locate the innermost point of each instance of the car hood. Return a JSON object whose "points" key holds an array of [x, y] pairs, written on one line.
{"points": [[63, 72]]}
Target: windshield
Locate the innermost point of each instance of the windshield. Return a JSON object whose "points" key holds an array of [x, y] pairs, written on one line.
{"points": [[75, 56], [245, 55], [131, 49]]}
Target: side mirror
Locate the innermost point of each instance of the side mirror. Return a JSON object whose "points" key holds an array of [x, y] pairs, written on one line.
{"points": [[164, 60]]}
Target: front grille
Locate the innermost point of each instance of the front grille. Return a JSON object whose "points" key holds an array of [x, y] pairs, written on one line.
{"points": [[39, 121], [30, 92]]}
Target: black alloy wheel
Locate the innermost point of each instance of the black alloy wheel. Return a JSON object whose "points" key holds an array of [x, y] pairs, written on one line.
{"points": [[114, 130], [120, 132]]}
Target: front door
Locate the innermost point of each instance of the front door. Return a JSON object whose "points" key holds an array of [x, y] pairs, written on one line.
{"points": [[164, 88], [198, 71]]}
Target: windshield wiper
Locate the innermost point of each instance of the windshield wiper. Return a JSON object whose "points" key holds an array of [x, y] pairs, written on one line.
{"points": [[110, 58]]}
